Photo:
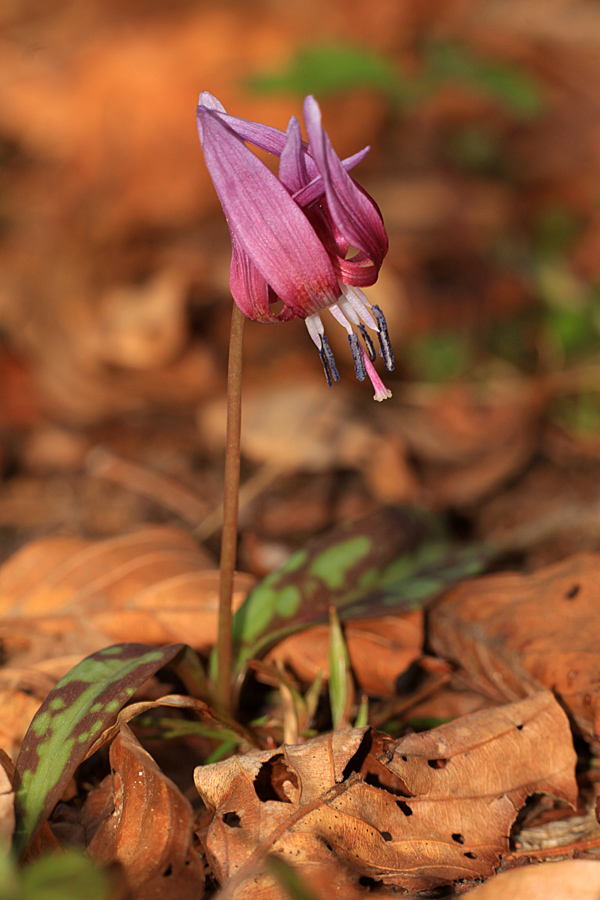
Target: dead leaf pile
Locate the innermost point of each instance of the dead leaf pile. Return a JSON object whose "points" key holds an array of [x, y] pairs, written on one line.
{"points": [[422, 811]]}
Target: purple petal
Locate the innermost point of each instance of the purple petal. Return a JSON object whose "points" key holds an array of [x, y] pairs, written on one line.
{"points": [[352, 210], [250, 290], [292, 165], [267, 224], [264, 136], [316, 188]]}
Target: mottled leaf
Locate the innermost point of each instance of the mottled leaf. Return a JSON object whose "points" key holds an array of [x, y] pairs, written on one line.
{"points": [[392, 560], [70, 719]]}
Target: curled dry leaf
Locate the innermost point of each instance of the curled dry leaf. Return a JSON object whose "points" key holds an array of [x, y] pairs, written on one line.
{"points": [[147, 827], [514, 634], [379, 650], [422, 811], [157, 583], [572, 879]]}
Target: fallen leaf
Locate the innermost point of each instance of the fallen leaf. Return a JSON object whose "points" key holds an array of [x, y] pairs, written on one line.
{"points": [[470, 443], [379, 649], [147, 827], [157, 583], [425, 810], [571, 879], [514, 634]]}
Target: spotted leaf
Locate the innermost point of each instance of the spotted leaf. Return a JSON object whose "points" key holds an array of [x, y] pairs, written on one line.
{"points": [[71, 718], [392, 560]]}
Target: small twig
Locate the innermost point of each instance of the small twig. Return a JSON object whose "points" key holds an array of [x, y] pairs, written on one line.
{"points": [[561, 850], [251, 489], [252, 864], [103, 463]]}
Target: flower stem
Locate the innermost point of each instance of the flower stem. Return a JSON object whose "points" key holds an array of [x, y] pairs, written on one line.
{"points": [[230, 510]]}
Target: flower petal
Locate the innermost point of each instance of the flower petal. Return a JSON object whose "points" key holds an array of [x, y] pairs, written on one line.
{"points": [[352, 210], [250, 290], [267, 224], [292, 164]]}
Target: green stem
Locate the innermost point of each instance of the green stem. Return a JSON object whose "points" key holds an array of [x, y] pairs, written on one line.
{"points": [[230, 510]]}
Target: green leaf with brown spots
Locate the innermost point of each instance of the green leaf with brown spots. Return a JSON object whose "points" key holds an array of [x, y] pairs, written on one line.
{"points": [[392, 560], [73, 715]]}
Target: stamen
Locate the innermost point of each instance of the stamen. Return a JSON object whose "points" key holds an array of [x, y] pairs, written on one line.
{"points": [[315, 328], [367, 342], [339, 316], [325, 366], [385, 348], [359, 303], [359, 366], [326, 351]]}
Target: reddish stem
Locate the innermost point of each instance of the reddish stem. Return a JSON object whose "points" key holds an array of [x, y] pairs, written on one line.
{"points": [[230, 510]]}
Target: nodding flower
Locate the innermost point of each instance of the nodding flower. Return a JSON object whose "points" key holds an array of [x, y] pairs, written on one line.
{"points": [[311, 237]]}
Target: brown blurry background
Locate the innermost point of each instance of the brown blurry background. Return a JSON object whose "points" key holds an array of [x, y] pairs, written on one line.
{"points": [[484, 123]]}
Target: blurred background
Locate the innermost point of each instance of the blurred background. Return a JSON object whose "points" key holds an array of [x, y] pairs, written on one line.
{"points": [[484, 123]]}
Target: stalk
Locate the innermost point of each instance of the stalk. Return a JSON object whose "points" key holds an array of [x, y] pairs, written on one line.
{"points": [[230, 510]]}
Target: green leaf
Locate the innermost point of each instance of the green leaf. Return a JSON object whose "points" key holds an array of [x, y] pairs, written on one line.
{"points": [[339, 671], [65, 876], [288, 878], [395, 558], [73, 715], [61, 876], [332, 68], [508, 84]]}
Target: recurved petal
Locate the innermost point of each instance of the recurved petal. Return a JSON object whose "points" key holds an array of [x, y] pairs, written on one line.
{"points": [[264, 136], [352, 210], [266, 222], [250, 290]]}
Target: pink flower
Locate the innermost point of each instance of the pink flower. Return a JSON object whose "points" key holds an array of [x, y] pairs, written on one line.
{"points": [[311, 237]]}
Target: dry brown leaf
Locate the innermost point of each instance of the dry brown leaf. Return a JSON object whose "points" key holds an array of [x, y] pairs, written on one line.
{"points": [[470, 444], [147, 827], [571, 879], [515, 633], [379, 649], [157, 583], [425, 810]]}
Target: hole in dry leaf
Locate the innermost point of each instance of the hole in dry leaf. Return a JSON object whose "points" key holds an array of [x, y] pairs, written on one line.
{"points": [[386, 836], [519, 728], [470, 855], [232, 819], [168, 871], [271, 778], [572, 592], [355, 763], [437, 763], [458, 838], [404, 758], [367, 882], [404, 807]]}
